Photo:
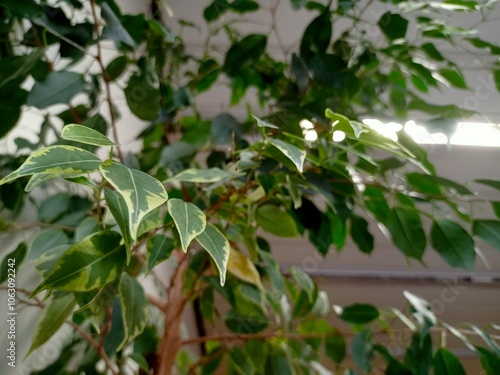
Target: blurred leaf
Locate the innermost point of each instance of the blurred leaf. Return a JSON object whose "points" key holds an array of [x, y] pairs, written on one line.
{"points": [[335, 347], [316, 37], [273, 220], [359, 313], [57, 87], [362, 350], [11, 262], [243, 268], [158, 249], [114, 30], [406, 231], [292, 152], [143, 97], [244, 53], [446, 363], [453, 243], [454, 77], [393, 25], [488, 231], [360, 234], [116, 67]]}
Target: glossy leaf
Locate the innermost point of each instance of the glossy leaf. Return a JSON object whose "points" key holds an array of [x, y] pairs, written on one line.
{"points": [[243, 268], [359, 313], [159, 248], [84, 134], [453, 243], [217, 246], [53, 317], [87, 265], [57, 87], [446, 363], [135, 308], [406, 231], [273, 220], [141, 192], [189, 220], [57, 160]]}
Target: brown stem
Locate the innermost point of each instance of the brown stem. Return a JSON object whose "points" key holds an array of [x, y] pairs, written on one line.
{"points": [[171, 341], [106, 79]]}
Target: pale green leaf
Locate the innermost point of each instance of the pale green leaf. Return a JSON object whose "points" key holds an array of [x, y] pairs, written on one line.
{"points": [[56, 160], [135, 308], [218, 247], [292, 152], [46, 262], [275, 221], [119, 210], [189, 220], [243, 268], [84, 134], [53, 317], [57, 87], [150, 222], [86, 227], [142, 193], [202, 175], [45, 240], [264, 124], [87, 265]]}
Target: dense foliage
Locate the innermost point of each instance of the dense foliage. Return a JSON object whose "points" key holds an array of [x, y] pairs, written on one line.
{"points": [[202, 192]]}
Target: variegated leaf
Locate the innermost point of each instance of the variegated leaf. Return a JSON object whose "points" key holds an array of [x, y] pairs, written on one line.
{"points": [[159, 248], [48, 260], [87, 265], [53, 317], [84, 134], [150, 222], [39, 178], [118, 208], [189, 220], [218, 247], [292, 152], [243, 268], [202, 175], [56, 160], [264, 124], [142, 193], [135, 308]]}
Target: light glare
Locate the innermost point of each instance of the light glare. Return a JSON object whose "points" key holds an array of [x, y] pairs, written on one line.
{"points": [[338, 136]]}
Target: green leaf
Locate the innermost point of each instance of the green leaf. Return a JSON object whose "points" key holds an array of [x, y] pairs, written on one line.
{"points": [[217, 246], [335, 347], [57, 160], [215, 10], [88, 264], [240, 361], [360, 234], [496, 208], [359, 313], [143, 97], [57, 87], [406, 231], [362, 350], [189, 220], [225, 128], [48, 260], [490, 362], [304, 281], [393, 25], [45, 240], [202, 176], [244, 53], [116, 67], [316, 37], [84, 134], [488, 231], [445, 363], [453, 243], [141, 192], [264, 124], [135, 308], [88, 226], [432, 52], [454, 77], [495, 184], [273, 220], [159, 248], [243, 268], [11, 103], [292, 152], [12, 261], [246, 323], [114, 29], [119, 210], [53, 317]]}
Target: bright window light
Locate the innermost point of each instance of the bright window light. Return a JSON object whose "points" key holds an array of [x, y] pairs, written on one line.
{"points": [[389, 129], [310, 135], [306, 124], [476, 134], [338, 136], [422, 136]]}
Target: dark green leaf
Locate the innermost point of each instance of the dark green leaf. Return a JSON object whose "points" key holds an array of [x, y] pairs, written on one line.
{"points": [[135, 308], [248, 323], [244, 53], [215, 10], [406, 231], [143, 98], [316, 37], [432, 52], [159, 248], [114, 29], [453, 243], [225, 128], [360, 234], [359, 313], [393, 25], [241, 361], [446, 363], [335, 347], [116, 67], [10, 264]]}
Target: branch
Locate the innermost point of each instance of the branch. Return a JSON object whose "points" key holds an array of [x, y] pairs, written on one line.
{"points": [[106, 79]]}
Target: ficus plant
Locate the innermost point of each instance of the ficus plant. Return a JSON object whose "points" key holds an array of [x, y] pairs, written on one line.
{"points": [[203, 195]]}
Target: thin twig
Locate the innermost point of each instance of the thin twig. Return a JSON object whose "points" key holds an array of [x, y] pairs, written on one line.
{"points": [[106, 79]]}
